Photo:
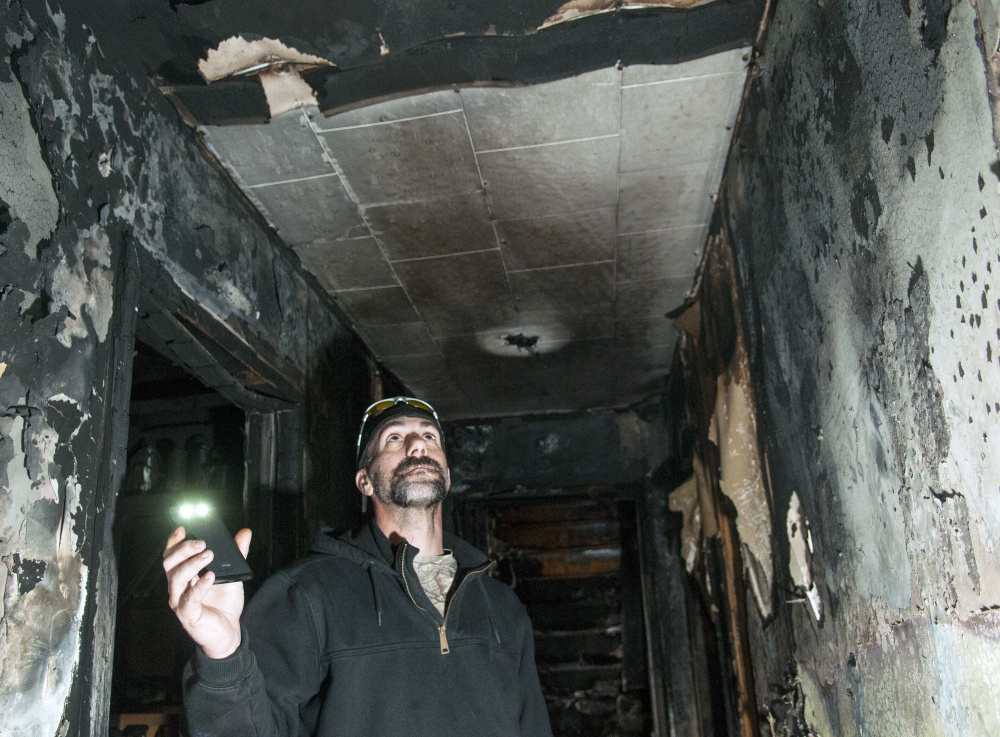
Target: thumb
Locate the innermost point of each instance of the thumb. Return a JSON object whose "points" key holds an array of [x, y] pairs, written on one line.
{"points": [[243, 540]]}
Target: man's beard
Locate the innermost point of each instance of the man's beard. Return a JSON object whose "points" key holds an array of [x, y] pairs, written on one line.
{"points": [[422, 492]]}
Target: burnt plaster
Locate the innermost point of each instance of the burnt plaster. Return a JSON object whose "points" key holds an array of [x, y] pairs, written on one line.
{"points": [[96, 170], [860, 195]]}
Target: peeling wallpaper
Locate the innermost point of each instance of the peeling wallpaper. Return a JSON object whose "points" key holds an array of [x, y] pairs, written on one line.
{"points": [[863, 196]]}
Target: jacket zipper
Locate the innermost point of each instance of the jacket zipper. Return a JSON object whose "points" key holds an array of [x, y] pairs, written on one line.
{"points": [[442, 628]]}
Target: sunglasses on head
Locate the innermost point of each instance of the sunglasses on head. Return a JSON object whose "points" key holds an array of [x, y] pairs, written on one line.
{"points": [[377, 408]]}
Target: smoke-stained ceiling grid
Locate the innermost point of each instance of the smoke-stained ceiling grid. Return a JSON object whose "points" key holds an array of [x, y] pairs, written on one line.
{"points": [[506, 250]]}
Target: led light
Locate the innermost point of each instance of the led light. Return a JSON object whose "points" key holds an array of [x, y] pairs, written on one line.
{"points": [[186, 511], [201, 510]]}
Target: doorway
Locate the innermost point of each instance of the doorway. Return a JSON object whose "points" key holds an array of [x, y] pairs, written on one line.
{"points": [[183, 438], [574, 561]]}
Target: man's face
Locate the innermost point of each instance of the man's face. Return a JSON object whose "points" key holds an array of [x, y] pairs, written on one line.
{"points": [[409, 469]]}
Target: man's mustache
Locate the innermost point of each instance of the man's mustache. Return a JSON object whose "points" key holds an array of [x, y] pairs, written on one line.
{"points": [[413, 461]]}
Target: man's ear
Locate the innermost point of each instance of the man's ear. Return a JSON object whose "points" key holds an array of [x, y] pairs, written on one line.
{"points": [[363, 481]]}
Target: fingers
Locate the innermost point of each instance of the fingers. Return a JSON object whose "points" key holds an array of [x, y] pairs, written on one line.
{"points": [[189, 603], [182, 567], [243, 540], [175, 537], [174, 555]]}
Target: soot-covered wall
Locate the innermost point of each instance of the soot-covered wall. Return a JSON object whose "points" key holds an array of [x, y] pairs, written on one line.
{"points": [[863, 199], [557, 451], [95, 169]]}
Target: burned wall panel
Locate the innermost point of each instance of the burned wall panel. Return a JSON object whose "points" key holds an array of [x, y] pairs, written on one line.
{"points": [[861, 194], [558, 450], [97, 168]]}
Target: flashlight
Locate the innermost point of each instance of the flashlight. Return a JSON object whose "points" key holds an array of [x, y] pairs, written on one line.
{"points": [[201, 521]]}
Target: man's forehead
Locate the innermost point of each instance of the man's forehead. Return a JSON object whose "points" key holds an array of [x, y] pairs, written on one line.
{"points": [[404, 421]]}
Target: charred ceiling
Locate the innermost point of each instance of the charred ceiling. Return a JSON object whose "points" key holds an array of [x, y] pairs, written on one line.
{"points": [[504, 201]]}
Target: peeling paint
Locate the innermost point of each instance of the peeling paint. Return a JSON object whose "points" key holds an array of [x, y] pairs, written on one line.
{"points": [[814, 706], [84, 291], [686, 500], [800, 554], [25, 180]]}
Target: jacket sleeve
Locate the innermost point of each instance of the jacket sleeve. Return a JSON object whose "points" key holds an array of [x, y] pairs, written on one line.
{"points": [[534, 713], [269, 686]]}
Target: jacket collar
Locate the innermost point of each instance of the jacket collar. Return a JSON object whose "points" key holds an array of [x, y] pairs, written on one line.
{"points": [[367, 544]]}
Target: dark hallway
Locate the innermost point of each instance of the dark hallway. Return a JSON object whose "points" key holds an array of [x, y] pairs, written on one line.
{"points": [[701, 290]]}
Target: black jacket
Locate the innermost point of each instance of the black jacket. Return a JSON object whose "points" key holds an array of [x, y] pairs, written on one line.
{"points": [[346, 642]]}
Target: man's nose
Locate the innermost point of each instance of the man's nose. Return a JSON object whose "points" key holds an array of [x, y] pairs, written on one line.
{"points": [[415, 445]]}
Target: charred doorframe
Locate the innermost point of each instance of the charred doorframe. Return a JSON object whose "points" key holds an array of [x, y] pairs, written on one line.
{"points": [[255, 378], [665, 672], [151, 307]]}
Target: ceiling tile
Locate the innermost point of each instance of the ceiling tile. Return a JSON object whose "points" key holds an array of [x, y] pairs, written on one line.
{"points": [[453, 224], [406, 161], [417, 106], [408, 339], [665, 198], [660, 254], [550, 180], [678, 123], [303, 212], [347, 264], [430, 378], [465, 279], [285, 148], [383, 306], [724, 62], [649, 298], [494, 375], [564, 288], [448, 320], [558, 239], [579, 375], [644, 331], [578, 107]]}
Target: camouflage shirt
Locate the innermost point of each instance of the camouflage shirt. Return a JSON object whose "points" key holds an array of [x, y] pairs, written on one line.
{"points": [[436, 574]]}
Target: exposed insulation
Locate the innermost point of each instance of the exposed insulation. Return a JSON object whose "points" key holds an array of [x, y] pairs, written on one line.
{"points": [[286, 90], [237, 55], [582, 8]]}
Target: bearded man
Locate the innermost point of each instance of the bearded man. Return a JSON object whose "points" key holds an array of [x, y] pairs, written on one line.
{"points": [[394, 629]]}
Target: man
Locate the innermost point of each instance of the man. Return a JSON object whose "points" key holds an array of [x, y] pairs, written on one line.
{"points": [[393, 629]]}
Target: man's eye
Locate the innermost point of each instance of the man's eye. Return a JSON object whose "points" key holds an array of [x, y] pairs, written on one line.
{"points": [[430, 436]]}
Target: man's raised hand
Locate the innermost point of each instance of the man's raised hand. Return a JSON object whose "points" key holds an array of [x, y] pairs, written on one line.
{"points": [[210, 614]]}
